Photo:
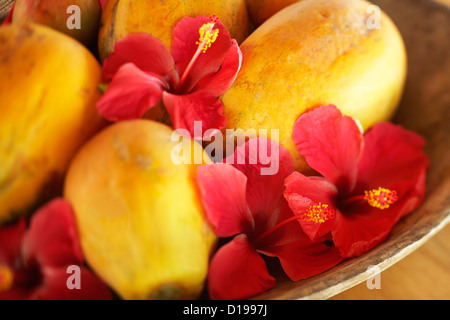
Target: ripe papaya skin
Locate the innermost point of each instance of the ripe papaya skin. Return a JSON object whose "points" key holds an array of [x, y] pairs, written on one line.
{"points": [[54, 14], [317, 52], [158, 18], [141, 223], [261, 10], [48, 91]]}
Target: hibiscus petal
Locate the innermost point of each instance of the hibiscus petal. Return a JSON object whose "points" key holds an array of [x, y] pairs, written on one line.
{"points": [[184, 47], [299, 257], [147, 53], [266, 164], [332, 145], [317, 189], [301, 261], [219, 82], [131, 93], [237, 271], [222, 189], [358, 232], [11, 242], [52, 238], [391, 154], [415, 195], [185, 110], [55, 285]]}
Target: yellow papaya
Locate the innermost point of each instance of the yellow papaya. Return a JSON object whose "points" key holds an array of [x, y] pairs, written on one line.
{"points": [[158, 18], [312, 53], [48, 92], [141, 223]]}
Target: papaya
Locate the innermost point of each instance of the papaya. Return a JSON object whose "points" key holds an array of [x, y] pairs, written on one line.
{"points": [[158, 18], [141, 223], [78, 19], [261, 10], [48, 91], [312, 53]]}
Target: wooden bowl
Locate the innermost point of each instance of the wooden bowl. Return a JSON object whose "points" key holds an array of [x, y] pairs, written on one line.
{"points": [[425, 108], [5, 7]]}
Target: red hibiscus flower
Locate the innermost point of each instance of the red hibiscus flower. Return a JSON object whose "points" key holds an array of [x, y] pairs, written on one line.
{"points": [[203, 64], [242, 203], [34, 263], [369, 181]]}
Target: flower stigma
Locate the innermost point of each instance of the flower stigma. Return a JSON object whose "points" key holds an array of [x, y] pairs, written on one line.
{"points": [[381, 198], [318, 213], [208, 35]]}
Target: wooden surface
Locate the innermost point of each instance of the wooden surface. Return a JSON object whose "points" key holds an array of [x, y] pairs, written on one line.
{"points": [[424, 274]]}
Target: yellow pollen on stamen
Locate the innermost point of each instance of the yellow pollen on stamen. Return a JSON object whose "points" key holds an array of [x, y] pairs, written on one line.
{"points": [[318, 213], [6, 278], [380, 198], [208, 35]]}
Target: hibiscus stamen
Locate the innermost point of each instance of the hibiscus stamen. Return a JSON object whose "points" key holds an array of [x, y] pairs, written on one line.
{"points": [[318, 213], [315, 213], [6, 278], [380, 198], [208, 35]]}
